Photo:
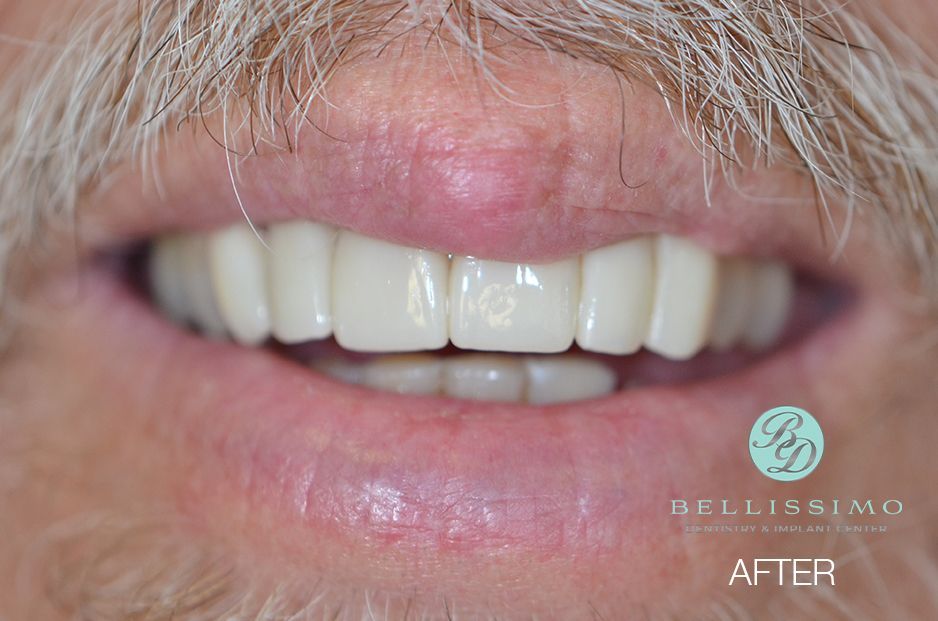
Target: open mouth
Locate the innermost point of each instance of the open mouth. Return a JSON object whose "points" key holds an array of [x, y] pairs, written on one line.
{"points": [[462, 342], [404, 319]]}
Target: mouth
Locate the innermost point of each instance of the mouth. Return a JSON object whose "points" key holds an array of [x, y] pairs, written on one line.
{"points": [[370, 312], [470, 350]]}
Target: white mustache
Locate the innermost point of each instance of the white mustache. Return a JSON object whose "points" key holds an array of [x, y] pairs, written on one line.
{"points": [[738, 77]]}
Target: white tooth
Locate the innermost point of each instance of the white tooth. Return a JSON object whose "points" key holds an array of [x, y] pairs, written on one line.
{"points": [[484, 377], [496, 306], [299, 273], [686, 280], [198, 286], [567, 378], [387, 297], [733, 303], [236, 260], [773, 294], [616, 297], [411, 374], [166, 274], [348, 372]]}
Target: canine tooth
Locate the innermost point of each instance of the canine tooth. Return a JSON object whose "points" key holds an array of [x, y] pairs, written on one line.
{"points": [[734, 302], [484, 377], [496, 306], [567, 378], [299, 273], [197, 281], [773, 294], [387, 297], [236, 260], [166, 275], [616, 297], [685, 292], [412, 374]]}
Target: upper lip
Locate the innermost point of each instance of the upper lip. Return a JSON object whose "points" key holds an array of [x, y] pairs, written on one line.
{"points": [[492, 184]]}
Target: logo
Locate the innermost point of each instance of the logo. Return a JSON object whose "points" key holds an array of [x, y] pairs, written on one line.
{"points": [[786, 443]]}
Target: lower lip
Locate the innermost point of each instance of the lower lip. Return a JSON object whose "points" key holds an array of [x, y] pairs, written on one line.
{"points": [[296, 459]]}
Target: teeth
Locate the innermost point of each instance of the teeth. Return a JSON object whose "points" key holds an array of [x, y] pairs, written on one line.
{"points": [[685, 292], [167, 278], [484, 377], [411, 374], [388, 297], [567, 378], [481, 377], [197, 282], [737, 280], [773, 295], [347, 372], [617, 296], [236, 260], [496, 306], [299, 272], [664, 292]]}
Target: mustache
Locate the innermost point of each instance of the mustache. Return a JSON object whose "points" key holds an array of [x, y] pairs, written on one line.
{"points": [[808, 85]]}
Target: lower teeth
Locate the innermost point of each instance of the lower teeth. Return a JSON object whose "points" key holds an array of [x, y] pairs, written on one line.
{"points": [[483, 377]]}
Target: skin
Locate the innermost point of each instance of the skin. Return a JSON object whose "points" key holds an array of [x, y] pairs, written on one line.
{"points": [[95, 424]]}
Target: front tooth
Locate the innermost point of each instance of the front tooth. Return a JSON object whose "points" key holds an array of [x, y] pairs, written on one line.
{"points": [[166, 274], [733, 303], [567, 378], [685, 292], [496, 306], [773, 294], [484, 377], [387, 297], [299, 272], [411, 374], [616, 297], [197, 281], [236, 261]]}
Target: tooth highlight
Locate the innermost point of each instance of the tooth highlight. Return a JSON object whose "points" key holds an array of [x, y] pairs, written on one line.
{"points": [[236, 263], [388, 297], [484, 377], [685, 292], [497, 306], [616, 297], [299, 280], [566, 378], [411, 374], [773, 295], [734, 302]]}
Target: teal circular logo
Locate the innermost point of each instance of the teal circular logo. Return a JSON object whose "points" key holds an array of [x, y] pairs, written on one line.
{"points": [[786, 443]]}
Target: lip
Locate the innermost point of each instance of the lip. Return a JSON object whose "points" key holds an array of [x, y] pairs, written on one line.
{"points": [[332, 478]]}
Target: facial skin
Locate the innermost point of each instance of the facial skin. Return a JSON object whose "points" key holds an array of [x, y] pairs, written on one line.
{"points": [[135, 481]]}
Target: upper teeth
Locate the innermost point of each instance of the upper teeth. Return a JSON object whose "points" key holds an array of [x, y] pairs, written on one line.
{"points": [[663, 292]]}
